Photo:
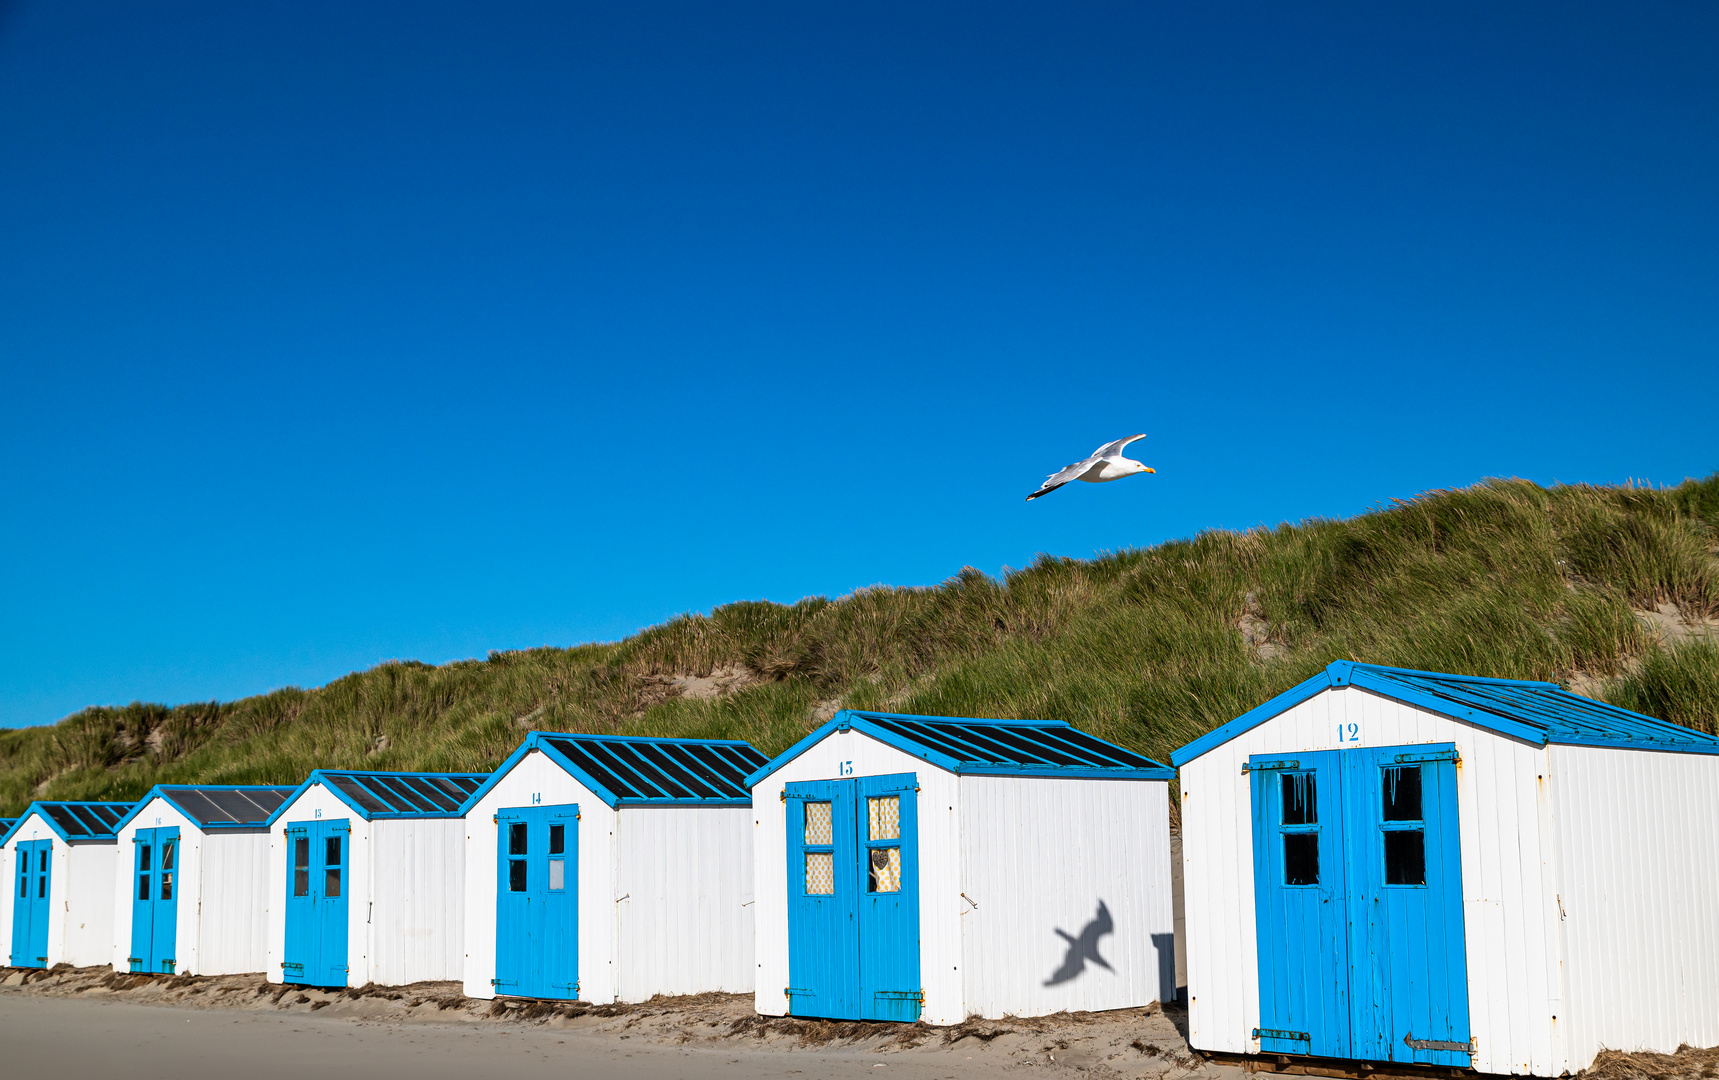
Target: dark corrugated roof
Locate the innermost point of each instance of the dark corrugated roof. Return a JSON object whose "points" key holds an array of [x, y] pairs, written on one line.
{"points": [[637, 770], [84, 820], [1563, 716], [214, 807], [387, 794], [1048, 748]]}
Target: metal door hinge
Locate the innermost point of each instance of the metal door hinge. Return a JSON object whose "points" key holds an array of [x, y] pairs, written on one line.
{"points": [[1428, 756], [1275, 1033], [1469, 1047], [1257, 766]]}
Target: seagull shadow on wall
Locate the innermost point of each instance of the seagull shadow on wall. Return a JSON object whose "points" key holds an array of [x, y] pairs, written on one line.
{"points": [[1083, 948]]}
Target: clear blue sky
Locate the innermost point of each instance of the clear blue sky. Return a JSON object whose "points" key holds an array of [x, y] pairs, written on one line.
{"points": [[337, 332]]}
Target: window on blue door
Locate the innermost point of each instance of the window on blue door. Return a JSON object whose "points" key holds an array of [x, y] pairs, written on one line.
{"points": [[167, 870], [301, 866], [820, 850], [1300, 829], [883, 841], [517, 848], [1405, 830], [331, 869], [557, 866], [144, 855]]}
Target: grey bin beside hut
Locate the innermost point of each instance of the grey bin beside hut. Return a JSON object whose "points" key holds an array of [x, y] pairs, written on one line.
{"points": [[1388, 865], [58, 863], [191, 880], [936, 868]]}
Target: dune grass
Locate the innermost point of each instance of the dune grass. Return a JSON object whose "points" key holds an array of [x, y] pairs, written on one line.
{"points": [[1505, 578]]}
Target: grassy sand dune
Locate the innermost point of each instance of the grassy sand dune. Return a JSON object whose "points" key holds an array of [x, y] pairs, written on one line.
{"points": [[1611, 590]]}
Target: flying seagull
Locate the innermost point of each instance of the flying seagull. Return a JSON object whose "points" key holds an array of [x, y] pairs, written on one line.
{"points": [[1106, 463]]}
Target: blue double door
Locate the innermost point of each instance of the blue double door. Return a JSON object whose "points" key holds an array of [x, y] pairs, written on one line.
{"points": [[155, 900], [853, 898], [319, 873], [1358, 900], [30, 892], [537, 902]]}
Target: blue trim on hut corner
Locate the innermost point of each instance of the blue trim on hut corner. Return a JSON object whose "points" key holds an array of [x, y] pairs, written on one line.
{"points": [[856, 720], [535, 742], [321, 776], [164, 792], [1538, 713]]}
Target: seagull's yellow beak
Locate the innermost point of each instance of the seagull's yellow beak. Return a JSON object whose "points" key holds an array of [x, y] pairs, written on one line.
{"points": [[1150, 469]]}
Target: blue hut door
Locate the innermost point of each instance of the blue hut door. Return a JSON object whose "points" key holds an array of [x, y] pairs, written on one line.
{"points": [[1358, 902], [319, 855], [155, 900], [1410, 982], [35, 860], [537, 902], [853, 898], [1300, 904]]}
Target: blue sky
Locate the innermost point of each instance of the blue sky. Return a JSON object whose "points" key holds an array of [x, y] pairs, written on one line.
{"points": [[331, 333]]}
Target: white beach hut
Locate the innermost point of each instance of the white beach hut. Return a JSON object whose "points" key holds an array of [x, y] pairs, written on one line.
{"points": [[58, 862], [191, 880], [367, 879], [935, 868], [609, 868], [1384, 865]]}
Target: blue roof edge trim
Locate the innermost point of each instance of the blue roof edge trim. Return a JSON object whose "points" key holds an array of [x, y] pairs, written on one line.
{"points": [[1251, 719], [317, 777], [54, 825], [162, 791], [854, 719], [534, 741], [1377, 678]]}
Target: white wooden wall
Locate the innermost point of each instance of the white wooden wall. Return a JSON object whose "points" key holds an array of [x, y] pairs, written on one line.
{"points": [[1037, 856], [535, 775], [80, 896], [1638, 839], [232, 937], [1510, 904], [940, 900], [359, 875], [684, 901], [415, 925], [87, 904]]}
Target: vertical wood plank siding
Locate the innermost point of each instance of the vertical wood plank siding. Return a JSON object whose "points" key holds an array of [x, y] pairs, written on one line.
{"points": [[1639, 849], [683, 901], [1508, 867], [224, 916], [415, 922], [1038, 856]]}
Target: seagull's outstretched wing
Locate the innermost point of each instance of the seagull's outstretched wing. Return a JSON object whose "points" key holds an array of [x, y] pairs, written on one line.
{"points": [[1111, 449], [1058, 479]]}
